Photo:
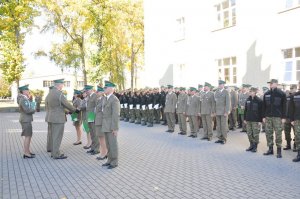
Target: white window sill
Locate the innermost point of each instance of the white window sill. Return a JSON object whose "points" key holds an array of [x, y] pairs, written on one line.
{"points": [[289, 9]]}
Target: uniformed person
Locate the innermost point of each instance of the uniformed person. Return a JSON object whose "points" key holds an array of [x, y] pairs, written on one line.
{"points": [[274, 104], [90, 114], [143, 108], [264, 90], [170, 106], [48, 146], [84, 118], [253, 118], [295, 119], [233, 112], [287, 125], [223, 107], [122, 101], [77, 124], [200, 93], [156, 102], [163, 95], [38, 100], [57, 103], [131, 107], [137, 102], [193, 111], [110, 125], [207, 111], [26, 111], [243, 96], [99, 121], [181, 111]]}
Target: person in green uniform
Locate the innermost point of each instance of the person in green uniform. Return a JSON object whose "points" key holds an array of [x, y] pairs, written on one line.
{"points": [[57, 104], [78, 122], [193, 111], [26, 111], [48, 146], [170, 106], [181, 109]]}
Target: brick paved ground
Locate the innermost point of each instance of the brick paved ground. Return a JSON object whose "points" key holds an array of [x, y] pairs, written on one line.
{"points": [[153, 164]]}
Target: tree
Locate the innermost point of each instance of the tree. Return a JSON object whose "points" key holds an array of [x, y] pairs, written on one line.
{"points": [[4, 88], [15, 22]]}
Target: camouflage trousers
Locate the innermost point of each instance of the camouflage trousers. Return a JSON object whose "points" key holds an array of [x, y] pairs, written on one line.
{"points": [[137, 116], [244, 126], [150, 116], [127, 116], [122, 113], [297, 134], [144, 115], [132, 115], [182, 122], [287, 131], [157, 115], [274, 124], [253, 129], [232, 119]]}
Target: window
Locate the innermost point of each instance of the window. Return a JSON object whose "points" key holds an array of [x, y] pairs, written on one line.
{"points": [[291, 58], [227, 69], [180, 28], [47, 83], [226, 13], [67, 83], [292, 3], [80, 84]]}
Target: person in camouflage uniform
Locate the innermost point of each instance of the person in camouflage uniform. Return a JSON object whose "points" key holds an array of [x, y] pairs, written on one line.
{"points": [[137, 101], [274, 110], [243, 96], [295, 119], [143, 108], [156, 102], [150, 106], [287, 125], [253, 118], [131, 107]]}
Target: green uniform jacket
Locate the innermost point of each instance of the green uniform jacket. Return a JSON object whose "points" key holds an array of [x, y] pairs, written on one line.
{"points": [[181, 103], [57, 103], [208, 105], [91, 103], [193, 105], [170, 105], [26, 110], [111, 113], [223, 103], [99, 112]]}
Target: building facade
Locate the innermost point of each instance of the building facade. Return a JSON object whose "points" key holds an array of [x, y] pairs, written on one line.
{"points": [[188, 42]]}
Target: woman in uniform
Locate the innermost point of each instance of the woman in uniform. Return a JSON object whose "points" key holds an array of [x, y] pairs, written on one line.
{"points": [[77, 124]]}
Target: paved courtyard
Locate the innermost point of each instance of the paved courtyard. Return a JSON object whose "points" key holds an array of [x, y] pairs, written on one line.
{"points": [[153, 164]]}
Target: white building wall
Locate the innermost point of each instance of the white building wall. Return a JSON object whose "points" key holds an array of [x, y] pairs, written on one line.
{"points": [[261, 32]]}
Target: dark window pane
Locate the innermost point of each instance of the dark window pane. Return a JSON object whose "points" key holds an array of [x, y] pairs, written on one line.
{"points": [[297, 52], [227, 73], [288, 53], [227, 79], [234, 79], [226, 61]]}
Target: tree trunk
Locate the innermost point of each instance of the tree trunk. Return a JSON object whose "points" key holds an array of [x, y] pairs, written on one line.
{"points": [[132, 67], [83, 60]]}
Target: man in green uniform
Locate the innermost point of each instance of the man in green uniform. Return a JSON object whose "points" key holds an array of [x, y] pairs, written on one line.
{"points": [[180, 110], [207, 111], [193, 111], [49, 146], [110, 125], [170, 106], [57, 103], [243, 96], [295, 119], [223, 107], [233, 112]]}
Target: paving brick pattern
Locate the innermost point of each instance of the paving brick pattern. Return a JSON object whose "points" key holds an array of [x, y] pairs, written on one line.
{"points": [[153, 164]]}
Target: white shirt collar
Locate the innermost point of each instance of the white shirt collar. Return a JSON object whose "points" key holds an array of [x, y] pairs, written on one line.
{"points": [[222, 90], [108, 95]]}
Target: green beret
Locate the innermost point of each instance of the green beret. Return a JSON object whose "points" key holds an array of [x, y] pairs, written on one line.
{"points": [[265, 88], [246, 85], [253, 89], [77, 92], [192, 89], [272, 81], [24, 88], [59, 81], [200, 86], [109, 84], [88, 87], [50, 87], [100, 89], [169, 86], [182, 88], [222, 82], [207, 84]]}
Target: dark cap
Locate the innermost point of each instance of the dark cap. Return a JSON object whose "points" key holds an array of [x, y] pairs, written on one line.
{"points": [[273, 81]]}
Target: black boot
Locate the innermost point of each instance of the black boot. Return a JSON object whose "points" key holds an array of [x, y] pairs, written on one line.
{"points": [[288, 146], [297, 159], [270, 151], [279, 152], [254, 148], [250, 147], [294, 147]]}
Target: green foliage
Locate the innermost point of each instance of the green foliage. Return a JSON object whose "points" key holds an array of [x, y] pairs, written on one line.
{"points": [[4, 88], [37, 92]]}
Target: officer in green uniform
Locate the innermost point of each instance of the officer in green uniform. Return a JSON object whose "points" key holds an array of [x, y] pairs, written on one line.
{"points": [[150, 107], [223, 107], [110, 125], [243, 96], [38, 100], [137, 101], [207, 111], [233, 112], [49, 147], [193, 111], [57, 103], [156, 104], [181, 110], [78, 122], [26, 112], [90, 111], [170, 107]]}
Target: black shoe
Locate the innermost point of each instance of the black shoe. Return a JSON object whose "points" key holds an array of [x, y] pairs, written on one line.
{"points": [[288, 146], [61, 157], [180, 133], [112, 166], [218, 141], [190, 136], [87, 147], [243, 131], [32, 154], [208, 139], [204, 138], [171, 131], [95, 152], [168, 131], [157, 122], [49, 151], [90, 151], [183, 134], [144, 124], [194, 136], [297, 159], [270, 151], [223, 142], [150, 125], [230, 128], [77, 143], [254, 148], [250, 147], [27, 156], [138, 123], [106, 164], [102, 158]]}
